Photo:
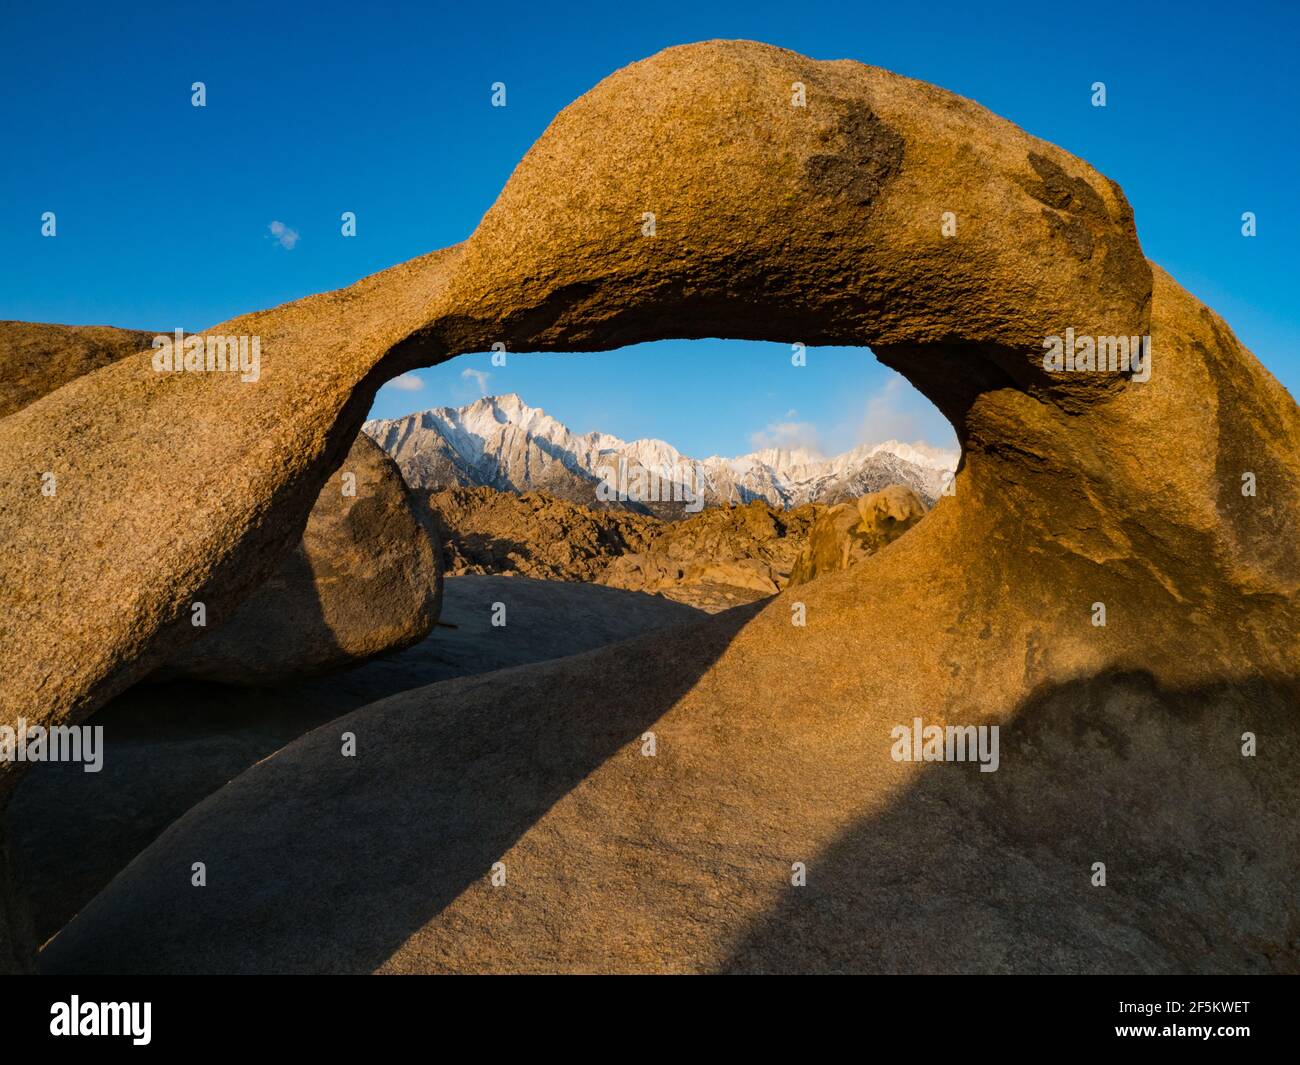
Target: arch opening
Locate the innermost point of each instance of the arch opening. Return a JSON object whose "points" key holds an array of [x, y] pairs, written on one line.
{"points": [[670, 431]]}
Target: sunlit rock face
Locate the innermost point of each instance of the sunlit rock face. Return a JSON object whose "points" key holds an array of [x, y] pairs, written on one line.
{"points": [[1122, 742]]}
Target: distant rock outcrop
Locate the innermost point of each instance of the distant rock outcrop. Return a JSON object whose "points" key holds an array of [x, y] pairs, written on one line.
{"points": [[712, 560], [534, 535], [365, 579], [718, 558], [847, 533]]}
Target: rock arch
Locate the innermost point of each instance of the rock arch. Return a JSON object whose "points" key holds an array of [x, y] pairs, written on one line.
{"points": [[818, 224]]}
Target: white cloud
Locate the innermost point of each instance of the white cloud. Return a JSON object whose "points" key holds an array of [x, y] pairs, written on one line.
{"points": [[478, 376], [787, 434], [897, 411], [285, 236], [886, 417], [406, 382]]}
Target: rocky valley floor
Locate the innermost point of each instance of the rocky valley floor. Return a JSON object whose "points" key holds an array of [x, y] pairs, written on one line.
{"points": [[713, 560]]}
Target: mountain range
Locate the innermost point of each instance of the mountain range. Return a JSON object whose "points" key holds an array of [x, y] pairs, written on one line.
{"points": [[501, 442]]}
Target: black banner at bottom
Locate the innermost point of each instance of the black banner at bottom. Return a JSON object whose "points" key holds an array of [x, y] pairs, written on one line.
{"points": [[1222, 1014]]}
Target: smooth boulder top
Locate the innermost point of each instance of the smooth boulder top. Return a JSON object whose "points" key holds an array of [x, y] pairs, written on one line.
{"points": [[168, 746]]}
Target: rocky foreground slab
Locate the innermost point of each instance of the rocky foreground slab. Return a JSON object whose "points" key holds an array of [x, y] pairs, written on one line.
{"points": [[170, 745]]}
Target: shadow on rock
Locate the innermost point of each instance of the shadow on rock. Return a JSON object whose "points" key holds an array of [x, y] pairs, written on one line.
{"points": [[428, 804], [168, 746], [992, 872]]}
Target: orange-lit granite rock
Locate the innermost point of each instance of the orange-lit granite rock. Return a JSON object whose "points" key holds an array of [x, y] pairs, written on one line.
{"points": [[820, 224]]}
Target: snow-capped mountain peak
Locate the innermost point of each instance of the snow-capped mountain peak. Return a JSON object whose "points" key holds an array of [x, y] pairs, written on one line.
{"points": [[921, 454], [502, 442]]}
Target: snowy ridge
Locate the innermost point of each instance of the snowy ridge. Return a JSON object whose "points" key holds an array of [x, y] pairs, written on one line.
{"points": [[502, 442]]}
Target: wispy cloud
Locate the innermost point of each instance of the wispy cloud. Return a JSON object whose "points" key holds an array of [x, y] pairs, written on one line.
{"points": [[284, 236], [406, 382], [897, 411], [893, 411], [478, 376], [787, 434]]}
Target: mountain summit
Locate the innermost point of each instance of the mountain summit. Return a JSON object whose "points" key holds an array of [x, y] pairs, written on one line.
{"points": [[501, 442]]}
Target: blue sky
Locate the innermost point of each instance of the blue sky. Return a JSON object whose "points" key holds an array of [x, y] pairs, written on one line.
{"points": [[164, 210]]}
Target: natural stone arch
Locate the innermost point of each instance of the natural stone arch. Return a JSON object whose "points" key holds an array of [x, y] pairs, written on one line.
{"points": [[817, 224]]}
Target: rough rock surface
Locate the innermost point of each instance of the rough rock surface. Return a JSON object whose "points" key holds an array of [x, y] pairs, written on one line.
{"points": [[534, 535], [365, 579], [820, 225], [36, 358], [846, 533]]}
